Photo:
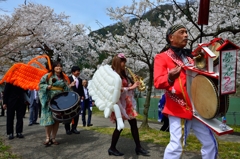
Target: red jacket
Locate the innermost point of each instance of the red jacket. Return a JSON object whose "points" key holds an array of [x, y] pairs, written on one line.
{"points": [[177, 100]]}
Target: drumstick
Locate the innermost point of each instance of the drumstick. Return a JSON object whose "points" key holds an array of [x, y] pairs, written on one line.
{"points": [[55, 103]]}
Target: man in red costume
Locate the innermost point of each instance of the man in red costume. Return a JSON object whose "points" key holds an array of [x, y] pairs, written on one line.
{"points": [[169, 74]]}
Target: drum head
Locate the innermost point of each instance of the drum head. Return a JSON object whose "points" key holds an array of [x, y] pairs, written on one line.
{"points": [[204, 96], [64, 101]]}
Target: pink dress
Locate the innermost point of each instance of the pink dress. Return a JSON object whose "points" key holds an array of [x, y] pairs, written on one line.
{"points": [[126, 103]]}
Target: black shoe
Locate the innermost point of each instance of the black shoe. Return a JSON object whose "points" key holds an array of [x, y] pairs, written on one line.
{"points": [[75, 131], [141, 151], [30, 124], [36, 123], [89, 124], [68, 132], [47, 143], [19, 135], [10, 136], [114, 153]]}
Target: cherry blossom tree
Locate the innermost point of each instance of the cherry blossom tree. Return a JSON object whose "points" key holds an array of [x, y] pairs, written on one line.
{"points": [[140, 43], [223, 20], [141, 40], [34, 29]]}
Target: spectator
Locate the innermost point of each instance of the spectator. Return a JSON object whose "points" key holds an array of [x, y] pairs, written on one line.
{"points": [[86, 105], [33, 107]]}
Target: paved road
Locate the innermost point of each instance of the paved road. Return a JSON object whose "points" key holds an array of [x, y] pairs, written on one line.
{"points": [[86, 145]]}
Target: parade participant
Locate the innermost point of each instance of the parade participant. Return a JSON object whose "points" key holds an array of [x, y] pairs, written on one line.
{"points": [[14, 101], [19, 78], [127, 106], [169, 74], [79, 89], [26, 76], [51, 84]]}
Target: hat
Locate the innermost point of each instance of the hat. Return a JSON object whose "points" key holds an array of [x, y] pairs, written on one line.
{"points": [[172, 30]]}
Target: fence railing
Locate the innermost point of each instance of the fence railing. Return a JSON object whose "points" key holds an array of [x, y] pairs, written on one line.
{"points": [[232, 116]]}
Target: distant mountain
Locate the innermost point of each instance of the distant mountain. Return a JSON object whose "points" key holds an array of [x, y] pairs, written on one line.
{"points": [[152, 16]]}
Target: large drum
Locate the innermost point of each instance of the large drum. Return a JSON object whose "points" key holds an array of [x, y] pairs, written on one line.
{"points": [[65, 106], [206, 99]]}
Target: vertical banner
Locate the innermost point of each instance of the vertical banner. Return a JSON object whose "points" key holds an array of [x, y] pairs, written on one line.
{"points": [[203, 12], [228, 71]]}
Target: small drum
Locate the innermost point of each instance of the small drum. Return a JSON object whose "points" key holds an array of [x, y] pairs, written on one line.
{"points": [[206, 99], [65, 106], [213, 45]]}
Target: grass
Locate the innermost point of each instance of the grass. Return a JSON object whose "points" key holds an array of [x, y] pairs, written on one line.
{"points": [[5, 151], [227, 150], [237, 94], [96, 112]]}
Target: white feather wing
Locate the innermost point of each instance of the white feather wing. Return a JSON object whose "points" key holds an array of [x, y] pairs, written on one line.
{"points": [[105, 89]]}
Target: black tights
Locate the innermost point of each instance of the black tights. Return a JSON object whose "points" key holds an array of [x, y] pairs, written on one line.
{"points": [[134, 131]]}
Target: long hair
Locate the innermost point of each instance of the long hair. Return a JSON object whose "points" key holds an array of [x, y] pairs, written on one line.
{"points": [[116, 66], [62, 75], [55, 64]]}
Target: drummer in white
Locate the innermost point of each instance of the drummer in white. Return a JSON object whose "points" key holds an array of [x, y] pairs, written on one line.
{"points": [[171, 76]]}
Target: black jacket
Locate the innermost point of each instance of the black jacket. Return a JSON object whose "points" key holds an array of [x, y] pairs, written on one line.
{"points": [[13, 95], [79, 90]]}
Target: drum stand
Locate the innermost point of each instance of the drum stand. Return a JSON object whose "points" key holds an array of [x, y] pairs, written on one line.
{"points": [[219, 70]]}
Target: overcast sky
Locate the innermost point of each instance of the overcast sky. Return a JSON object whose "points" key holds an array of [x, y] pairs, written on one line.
{"points": [[85, 12]]}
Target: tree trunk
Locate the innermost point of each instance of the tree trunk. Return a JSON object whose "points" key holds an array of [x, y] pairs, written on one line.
{"points": [[144, 124]]}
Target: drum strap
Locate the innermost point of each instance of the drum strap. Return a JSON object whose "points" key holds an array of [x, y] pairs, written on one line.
{"points": [[175, 98], [184, 96], [176, 59], [56, 88]]}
